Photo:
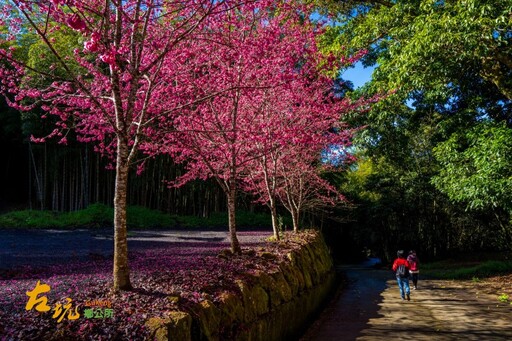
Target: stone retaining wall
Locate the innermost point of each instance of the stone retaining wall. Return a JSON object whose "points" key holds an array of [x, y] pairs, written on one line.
{"points": [[270, 306]]}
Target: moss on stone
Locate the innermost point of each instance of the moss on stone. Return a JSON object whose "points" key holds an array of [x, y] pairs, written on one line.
{"points": [[231, 308], [175, 327], [292, 256], [315, 264], [308, 281], [321, 253], [174, 299], [158, 328], [291, 278], [281, 286], [268, 284], [255, 300], [268, 255], [271, 306], [209, 317], [299, 270]]}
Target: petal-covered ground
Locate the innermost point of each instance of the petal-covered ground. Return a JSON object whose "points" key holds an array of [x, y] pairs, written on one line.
{"points": [[165, 278]]}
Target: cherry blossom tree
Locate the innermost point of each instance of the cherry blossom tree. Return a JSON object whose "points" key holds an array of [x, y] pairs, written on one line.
{"points": [[124, 78], [301, 121], [258, 49], [288, 167], [299, 117], [303, 188], [324, 147]]}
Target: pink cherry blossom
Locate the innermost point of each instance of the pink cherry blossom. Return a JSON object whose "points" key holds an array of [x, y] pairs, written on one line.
{"points": [[114, 107], [76, 23], [109, 58], [95, 37], [223, 86], [91, 46]]}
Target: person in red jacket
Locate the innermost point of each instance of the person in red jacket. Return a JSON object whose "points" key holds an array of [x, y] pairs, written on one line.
{"points": [[414, 268], [401, 267]]}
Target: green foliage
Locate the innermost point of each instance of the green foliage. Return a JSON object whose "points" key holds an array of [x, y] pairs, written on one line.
{"points": [[395, 204], [243, 219], [45, 65], [463, 270], [447, 69], [29, 219], [503, 298], [426, 44], [100, 215], [55, 62], [356, 181], [141, 217], [95, 215], [477, 167]]}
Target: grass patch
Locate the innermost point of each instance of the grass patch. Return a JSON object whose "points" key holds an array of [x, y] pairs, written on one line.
{"points": [[466, 270], [141, 217], [503, 298], [217, 220], [100, 215], [28, 218], [95, 215]]}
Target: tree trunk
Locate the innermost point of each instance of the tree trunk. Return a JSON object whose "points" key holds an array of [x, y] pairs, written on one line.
{"points": [[121, 269], [85, 180], [295, 219], [275, 221], [39, 193], [97, 171], [235, 245]]}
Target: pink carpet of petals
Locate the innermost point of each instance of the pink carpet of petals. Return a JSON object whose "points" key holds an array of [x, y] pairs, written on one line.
{"points": [[193, 271]]}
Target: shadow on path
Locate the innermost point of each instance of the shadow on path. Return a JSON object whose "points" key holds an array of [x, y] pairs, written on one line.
{"points": [[441, 310], [45, 247], [358, 301], [369, 308]]}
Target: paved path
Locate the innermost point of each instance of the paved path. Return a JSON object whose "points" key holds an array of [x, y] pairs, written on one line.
{"points": [[367, 309], [370, 309], [45, 247]]}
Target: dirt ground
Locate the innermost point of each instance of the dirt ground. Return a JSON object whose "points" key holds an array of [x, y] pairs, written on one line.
{"points": [[369, 308]]}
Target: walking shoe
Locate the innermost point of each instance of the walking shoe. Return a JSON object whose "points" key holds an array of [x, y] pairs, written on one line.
{"points": [[403, 298], [408, 297], [414, 288]]}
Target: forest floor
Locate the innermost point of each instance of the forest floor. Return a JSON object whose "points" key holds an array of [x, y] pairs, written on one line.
{"points": [[369, 308], [70, 272], [77, 264]]}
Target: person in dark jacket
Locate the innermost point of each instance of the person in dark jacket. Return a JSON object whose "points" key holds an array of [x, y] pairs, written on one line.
{"points": [[401, 268], [414, 269]]}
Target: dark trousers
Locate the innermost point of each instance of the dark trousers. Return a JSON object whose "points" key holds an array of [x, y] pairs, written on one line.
{"points": [[414, 278]]}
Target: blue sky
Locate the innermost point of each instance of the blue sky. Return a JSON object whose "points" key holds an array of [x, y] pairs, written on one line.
{"points": [[358, 74]]}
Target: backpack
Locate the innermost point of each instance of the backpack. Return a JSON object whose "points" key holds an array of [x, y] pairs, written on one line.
{"points": [[401, 271]]}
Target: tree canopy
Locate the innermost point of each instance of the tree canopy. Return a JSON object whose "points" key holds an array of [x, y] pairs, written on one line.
{"points": [[439, 138], [199, 80]]}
